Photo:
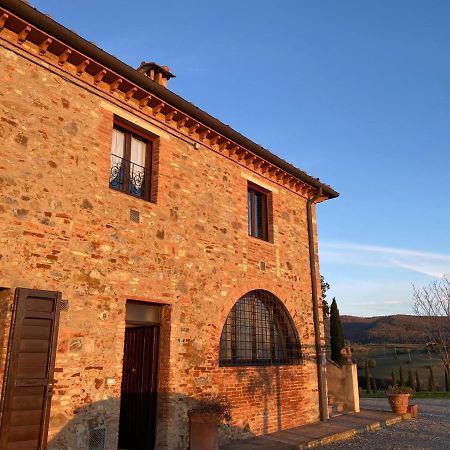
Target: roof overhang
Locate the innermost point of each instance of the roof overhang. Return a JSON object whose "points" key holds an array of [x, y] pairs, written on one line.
{"points": [[87, 48]]}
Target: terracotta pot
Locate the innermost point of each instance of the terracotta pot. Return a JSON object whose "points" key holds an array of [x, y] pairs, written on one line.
{"points": [[398, 402], [203, 433]]}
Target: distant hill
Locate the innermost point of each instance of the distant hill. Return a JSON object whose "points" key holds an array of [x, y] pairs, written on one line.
{"points": [[398, 329]]}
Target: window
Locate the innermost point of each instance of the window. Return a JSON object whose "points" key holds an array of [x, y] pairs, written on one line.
{"points": [[259, 331], [257, 213], [131, 154]]}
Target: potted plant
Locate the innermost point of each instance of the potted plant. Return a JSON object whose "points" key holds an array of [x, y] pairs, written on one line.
{"points": [[204, 418], [398, 397]]}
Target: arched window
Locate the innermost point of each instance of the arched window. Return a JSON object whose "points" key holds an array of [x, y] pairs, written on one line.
{"points": [[259, 331]]}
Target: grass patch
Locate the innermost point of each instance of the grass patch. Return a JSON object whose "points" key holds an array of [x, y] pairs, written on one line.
{"points": [[381, 394]]}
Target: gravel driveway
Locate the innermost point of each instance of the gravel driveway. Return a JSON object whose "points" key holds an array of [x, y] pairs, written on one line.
{"points": [[431, 430]]}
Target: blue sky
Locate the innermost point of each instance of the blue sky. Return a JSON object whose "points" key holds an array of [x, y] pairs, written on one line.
{"points": [[354, 92]]}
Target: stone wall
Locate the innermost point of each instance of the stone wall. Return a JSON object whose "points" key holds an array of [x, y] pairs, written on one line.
{"points": [[62, 228]]}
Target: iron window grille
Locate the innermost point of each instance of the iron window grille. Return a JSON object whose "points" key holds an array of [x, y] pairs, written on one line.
{"points": [[257, 205], [130, 170], [259, 332]]}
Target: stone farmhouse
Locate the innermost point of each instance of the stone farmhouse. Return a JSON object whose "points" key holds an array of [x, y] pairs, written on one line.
{"points": [[150, 256]]}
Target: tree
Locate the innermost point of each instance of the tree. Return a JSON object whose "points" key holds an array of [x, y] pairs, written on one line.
{"points": [[374, 385], [418, 385], [410, 381], [337, 333], [402, 378], [431, 383], [393, 378], [368, 386], [324, 286], [433, 302]]}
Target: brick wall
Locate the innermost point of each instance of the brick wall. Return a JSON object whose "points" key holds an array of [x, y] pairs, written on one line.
{"points": [[62, 228]]}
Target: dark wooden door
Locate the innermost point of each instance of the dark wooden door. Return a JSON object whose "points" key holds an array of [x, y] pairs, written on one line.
{"points": [[29, 376], [139, 387]]}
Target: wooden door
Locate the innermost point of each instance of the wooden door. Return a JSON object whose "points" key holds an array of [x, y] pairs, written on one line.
{"points": [[139, 388], [30, 366]]}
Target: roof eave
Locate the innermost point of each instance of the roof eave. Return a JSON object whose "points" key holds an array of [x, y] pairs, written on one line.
{"points": [[64, 34]]}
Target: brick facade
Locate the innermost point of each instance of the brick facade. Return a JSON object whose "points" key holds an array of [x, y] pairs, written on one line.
{"points": [[62, 228]]}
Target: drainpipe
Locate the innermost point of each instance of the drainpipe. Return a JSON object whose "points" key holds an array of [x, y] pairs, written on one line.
{"points": [[320, 357]]}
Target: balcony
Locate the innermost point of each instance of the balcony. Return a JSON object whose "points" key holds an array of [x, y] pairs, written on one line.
{"points": [[129, 177]]}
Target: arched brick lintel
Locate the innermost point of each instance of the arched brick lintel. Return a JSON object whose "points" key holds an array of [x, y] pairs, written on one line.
{"points": [[243, 288]]}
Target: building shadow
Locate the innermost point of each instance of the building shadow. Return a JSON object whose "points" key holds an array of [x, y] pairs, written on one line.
{"points": [[95, 426], [267, 383]]}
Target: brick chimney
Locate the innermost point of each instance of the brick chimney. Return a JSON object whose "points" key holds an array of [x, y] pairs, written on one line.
{"points": [[155, 72]]}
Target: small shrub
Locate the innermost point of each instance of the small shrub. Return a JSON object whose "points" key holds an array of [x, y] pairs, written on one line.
{"points": [[215, 404], [400, 390]]}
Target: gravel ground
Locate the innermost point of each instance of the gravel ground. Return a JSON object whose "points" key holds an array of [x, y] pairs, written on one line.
{"points": [[431, 430]]}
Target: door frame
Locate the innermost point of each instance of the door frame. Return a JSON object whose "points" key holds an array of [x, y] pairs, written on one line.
{"points": [[133, 322]]}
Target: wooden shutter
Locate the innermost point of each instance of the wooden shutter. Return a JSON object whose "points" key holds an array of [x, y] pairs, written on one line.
{"points": [[30, 366]]}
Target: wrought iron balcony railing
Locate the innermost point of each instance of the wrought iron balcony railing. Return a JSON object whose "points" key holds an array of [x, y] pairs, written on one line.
{"points": [[129, 177]]}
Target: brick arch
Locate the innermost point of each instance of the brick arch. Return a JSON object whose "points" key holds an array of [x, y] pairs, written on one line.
{"points": [[239, 291]]}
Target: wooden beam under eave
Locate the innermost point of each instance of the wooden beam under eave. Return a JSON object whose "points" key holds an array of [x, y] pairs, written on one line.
{"points": [[305, 189], [182, 122], [22, 36], [130, 93], [244, 155], [82, 67], [203, 134], [157, 108], [64, 56], [169, 116], [115, 85], [214, 140], [263, 165], [3, 18], [255, 161], [45, 44], [99, 76], [233, 150], [144, 101], [285, 178], [223, 146], [292, 183], [193, 129], [297, 186]]}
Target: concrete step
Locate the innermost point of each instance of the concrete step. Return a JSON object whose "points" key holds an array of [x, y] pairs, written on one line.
{"points": [[320, 433]]}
